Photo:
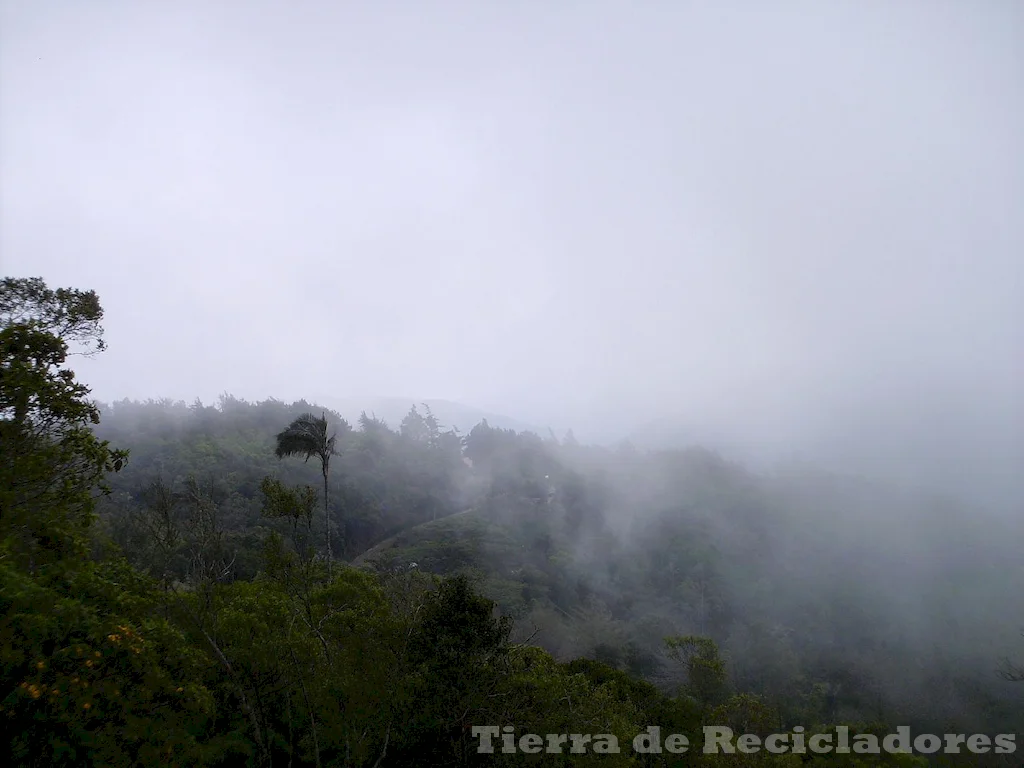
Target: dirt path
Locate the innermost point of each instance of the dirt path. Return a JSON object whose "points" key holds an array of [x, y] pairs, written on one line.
{"points": [[385, 545]]}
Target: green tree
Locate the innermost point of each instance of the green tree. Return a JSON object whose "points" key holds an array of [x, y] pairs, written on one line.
{"points": [[705, 670], [456, 648], [292, 504], [86, 664], [92, 676], [69, 314], [414, 427], [307, 436], [163, 522], [51, 463]]}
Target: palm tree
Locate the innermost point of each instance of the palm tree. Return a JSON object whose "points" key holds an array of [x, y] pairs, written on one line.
{"points": [[307, 436]]}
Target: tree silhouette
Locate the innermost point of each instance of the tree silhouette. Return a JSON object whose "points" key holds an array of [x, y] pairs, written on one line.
{"points": [[307, 437]]}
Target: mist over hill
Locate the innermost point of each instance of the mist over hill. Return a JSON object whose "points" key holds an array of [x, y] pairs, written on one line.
{"points": [[807, 578], [450, 415], [942, 451], [926, 448]]}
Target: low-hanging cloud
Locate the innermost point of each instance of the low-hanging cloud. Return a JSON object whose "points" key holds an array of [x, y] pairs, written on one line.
{"points": [[796, 226]]}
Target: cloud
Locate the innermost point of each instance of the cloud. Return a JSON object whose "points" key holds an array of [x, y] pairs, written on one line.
{"points": [[800, 223]]}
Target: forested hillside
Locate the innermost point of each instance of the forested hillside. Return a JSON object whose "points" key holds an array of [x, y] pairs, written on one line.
{"points": [[832, 598], [178, 589]]}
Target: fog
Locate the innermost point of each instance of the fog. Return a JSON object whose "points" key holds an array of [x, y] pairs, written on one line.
{"points": [[796, 229]]}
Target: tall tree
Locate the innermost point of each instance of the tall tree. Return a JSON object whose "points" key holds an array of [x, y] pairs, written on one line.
{"points": [[72, 315], [414, 427], [705, 669], [52, 463], [307, 437]]}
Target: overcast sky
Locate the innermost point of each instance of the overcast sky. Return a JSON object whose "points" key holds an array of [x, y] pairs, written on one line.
{"points": [[799, 217]]}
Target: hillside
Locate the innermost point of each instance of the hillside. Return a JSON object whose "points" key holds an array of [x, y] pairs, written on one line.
{"points": [[810, 582]]}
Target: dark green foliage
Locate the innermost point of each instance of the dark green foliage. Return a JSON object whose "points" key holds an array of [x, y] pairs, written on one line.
{"points": [[66, 314], [90, 668], [51, 464], [705, 670]]}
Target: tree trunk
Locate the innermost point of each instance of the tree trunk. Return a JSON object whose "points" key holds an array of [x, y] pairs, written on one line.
{"points": [[264, 756], [309, 708], [327, 525]]}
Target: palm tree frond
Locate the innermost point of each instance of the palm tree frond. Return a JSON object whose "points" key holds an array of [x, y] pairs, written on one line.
{"points": [[294, 445], [306, 436]]}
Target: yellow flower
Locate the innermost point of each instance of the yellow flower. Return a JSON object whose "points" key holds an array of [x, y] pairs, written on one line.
{"points": [[41, 665], [97, 654], [88, 663], [180, 690], [86, 705]]}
